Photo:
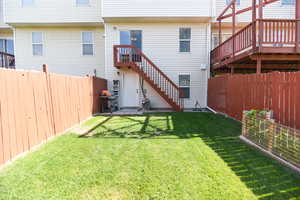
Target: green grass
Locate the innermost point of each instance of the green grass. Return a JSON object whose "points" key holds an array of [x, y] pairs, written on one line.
{"points": [[158, 156]]}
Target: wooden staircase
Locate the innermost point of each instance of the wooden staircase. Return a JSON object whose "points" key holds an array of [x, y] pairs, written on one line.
{"points": [[130, 56]]}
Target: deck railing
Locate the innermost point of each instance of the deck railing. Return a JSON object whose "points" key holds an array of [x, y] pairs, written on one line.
{"points": [[7, 60], [279, 32], [268, 32]]}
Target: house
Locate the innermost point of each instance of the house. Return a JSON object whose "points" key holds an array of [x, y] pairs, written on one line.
{"points": [[151, 48]]}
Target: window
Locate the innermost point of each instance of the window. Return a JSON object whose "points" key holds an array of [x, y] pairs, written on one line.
{"points": [[7, 46], [185, 39], [287, 2], [87, 43], [27, 3], [184, 85], [82, 2], [37, 43], [238, 2]]}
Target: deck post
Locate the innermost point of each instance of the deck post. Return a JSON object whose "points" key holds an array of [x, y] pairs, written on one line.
{"points": [[260, 24], [297, 16], [231, 69], [45, 68], [258, 65], [233, 28], [253, 25], [220, 31]]}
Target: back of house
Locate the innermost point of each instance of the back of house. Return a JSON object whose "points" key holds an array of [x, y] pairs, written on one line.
{"points": [[151, 48]]}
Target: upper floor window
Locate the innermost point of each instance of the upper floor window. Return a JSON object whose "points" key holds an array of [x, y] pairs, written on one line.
{"points": [[37, 43], [27, 3], [87, 39], [82, 2], [238, 2], [287, 2], [185, 39]]}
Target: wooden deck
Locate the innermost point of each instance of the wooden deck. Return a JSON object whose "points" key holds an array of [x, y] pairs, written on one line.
{"points": [[273, 41]]}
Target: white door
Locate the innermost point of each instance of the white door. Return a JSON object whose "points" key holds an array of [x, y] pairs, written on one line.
{"points": [[130, 92]]}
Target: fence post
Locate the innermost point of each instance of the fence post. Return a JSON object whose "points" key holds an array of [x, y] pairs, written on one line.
{"points": [[49, 88], [244, 121], [271, 132], [45, 68]]}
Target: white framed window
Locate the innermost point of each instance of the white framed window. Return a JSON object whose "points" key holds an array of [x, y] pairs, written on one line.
{"points": [[185, 85], [82, 2], [185, 39], [238, 2], [37, 44], [87, 40], [287, 2], [28, 3]]}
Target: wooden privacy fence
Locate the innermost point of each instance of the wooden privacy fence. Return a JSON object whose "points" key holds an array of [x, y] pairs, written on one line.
{"points": [[35, 106], [279, 92]]}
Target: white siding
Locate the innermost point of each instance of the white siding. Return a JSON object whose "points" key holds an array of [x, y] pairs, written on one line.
{"points": [[2, 24], [157, 8], [161, 45], [62, 51], [274, 10], [52, 11]]}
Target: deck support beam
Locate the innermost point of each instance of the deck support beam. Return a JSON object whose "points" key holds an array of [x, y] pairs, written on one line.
{"points": [[276, 57], [267, 66]]}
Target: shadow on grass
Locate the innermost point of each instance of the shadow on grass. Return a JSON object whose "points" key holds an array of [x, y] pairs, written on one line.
{"points": [[263, 176]]}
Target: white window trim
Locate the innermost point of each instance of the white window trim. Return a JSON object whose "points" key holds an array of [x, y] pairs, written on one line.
{"points": [[93, 42], [83, 5], [32, 6], [42, 43], [185, 86]]}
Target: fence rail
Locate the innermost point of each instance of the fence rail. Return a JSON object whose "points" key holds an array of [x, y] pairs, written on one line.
{"points": [[279, 92], [35, 106]]}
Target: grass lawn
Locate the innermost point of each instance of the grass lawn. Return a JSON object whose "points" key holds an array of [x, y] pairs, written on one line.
{"points": [[158, 156]]}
